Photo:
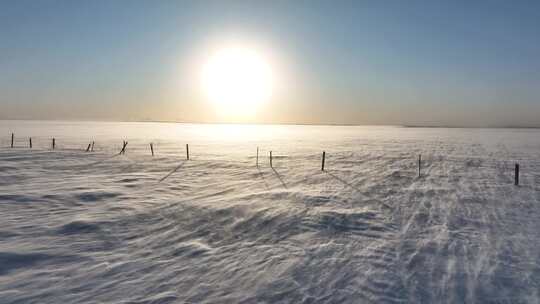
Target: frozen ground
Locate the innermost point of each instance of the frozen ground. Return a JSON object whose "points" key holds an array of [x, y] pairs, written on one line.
{"points": [[82, 227]]}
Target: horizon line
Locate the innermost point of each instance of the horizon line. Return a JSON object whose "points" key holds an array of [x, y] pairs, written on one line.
{"points": [[442, 126]]}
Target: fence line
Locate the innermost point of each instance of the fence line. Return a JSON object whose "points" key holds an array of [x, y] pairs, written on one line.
{"points": [[467, 160]]}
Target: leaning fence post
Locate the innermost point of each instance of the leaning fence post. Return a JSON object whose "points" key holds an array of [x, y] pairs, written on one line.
{"points": [[30, 141], [323, 157], [187, 151], [92, 148], [419, 163], [123, 151], [271, 159], [88, 148], [516, 176], [152, 148], [53, 143], [257, 159], [12, 138]]}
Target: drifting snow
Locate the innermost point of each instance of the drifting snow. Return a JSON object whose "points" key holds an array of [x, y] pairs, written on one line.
{"points": [[98, 227]]}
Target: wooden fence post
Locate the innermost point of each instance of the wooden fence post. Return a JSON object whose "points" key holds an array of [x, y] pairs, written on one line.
{"points": [[323, 157], [53, 143], [152, 148], [88, 148], [516, 176], [419, 164], [12, 139], [257, 159], [92, 148], [187, 151], [271, 159], [123, 151], [30, 141]]}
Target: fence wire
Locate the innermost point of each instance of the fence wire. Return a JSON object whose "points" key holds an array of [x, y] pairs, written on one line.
{"points": [[395, 155]]}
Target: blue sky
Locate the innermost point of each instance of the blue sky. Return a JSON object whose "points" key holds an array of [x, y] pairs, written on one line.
{"points": [[359, 62]]}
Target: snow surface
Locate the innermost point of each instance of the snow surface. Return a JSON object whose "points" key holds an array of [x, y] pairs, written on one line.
{"points": [[99, 227]]}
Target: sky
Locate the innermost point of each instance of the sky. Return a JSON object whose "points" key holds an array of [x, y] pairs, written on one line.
{"points": [[443, 63]]}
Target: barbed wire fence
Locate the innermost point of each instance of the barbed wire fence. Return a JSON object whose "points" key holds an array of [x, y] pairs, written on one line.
{"points": [[422, 159]]}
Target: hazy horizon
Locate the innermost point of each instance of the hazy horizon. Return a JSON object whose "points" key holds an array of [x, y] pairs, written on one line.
{"points": [[280, 123], [276, 123]]}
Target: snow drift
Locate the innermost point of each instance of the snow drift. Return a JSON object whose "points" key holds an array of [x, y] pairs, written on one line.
{"points": [[99, 227]]}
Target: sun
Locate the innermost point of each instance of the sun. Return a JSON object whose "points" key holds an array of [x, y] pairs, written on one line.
{"points": [[237, 81]]}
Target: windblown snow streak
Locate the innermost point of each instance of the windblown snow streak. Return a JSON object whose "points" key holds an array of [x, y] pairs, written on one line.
{"points": [[82, 227]]}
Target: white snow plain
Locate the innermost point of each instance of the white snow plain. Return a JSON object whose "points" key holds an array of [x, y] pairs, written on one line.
{"points": [[79, 227]]}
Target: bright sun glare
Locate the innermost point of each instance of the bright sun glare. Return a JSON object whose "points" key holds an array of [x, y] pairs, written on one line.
{"points": [[237, 81]]}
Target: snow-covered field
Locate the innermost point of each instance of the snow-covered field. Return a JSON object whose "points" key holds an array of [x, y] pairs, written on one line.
{"points": [[79, 227]]}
